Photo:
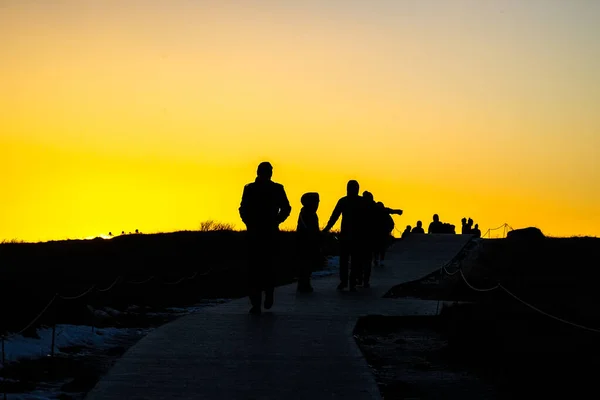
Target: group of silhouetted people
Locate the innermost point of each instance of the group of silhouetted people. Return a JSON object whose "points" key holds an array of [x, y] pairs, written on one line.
{"points": [[436, 227], [468, 229], [365, 234]]}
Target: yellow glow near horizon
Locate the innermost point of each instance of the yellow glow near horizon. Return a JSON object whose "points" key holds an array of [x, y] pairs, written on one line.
{"points": [[153, 115]]}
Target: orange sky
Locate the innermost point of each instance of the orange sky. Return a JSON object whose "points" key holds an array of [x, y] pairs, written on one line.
{"points": [[152, 115]]}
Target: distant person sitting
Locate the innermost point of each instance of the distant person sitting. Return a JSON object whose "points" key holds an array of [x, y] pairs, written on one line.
{"points": [[308, 237], [476, 232], [470, 226], [418, 228], [435, 226], [406, 232]]}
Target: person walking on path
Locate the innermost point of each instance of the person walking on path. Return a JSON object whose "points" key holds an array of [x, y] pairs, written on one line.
{"points": [[353, 234], [308, 237], [264, 206]]}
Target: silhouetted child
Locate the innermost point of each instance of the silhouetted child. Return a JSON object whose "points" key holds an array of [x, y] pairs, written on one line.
{"points": [[309, 240]]}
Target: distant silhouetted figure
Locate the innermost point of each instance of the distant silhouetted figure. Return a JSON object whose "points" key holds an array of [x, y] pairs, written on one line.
{"points": [[137, 231], [470, 226], [308, 240], [406, 232], [373, 226], [464, 227], [418, 228], [109, 233], [386, 227], [435, 226], [353, 234], [264, 206], [476, 231], [122, 232]]}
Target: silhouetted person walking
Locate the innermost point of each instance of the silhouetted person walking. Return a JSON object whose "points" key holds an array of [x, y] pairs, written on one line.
{"points": [[264, 206], [384, 231], [418, 228], [308, 237], [354, 228]]}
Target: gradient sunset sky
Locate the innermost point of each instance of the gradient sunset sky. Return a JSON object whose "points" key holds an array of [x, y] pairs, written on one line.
{"points": [[152, 115]]}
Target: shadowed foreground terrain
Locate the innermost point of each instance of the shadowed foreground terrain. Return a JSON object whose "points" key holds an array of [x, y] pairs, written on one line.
{"points": [[147, 270], [499, 336]]}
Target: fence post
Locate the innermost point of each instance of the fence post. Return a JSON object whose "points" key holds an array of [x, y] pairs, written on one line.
{"points": [[54, 317], [4, 364]]}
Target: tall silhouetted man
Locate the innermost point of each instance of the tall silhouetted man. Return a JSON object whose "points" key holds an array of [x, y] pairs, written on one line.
{"points": [[264, 206], [353, 234]]}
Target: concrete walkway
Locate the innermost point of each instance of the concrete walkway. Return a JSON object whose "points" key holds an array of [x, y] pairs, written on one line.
{"points": [[302, 348]]}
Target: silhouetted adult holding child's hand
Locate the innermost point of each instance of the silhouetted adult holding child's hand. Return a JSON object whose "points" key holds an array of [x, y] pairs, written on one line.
{"points": [[354, 211], [264, 206]]}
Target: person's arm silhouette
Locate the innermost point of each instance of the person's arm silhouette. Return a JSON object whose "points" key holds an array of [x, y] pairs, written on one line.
{"points": [[244, 213], [337, 211], [284, 206], [393, 211]]}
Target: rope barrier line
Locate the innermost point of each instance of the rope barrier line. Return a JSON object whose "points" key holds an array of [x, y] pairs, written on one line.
{"points": [[111, 285], [34, 320], [473, 287], [564, 321], [451, 273], [58, 296], [499, 286], [78, 296]]}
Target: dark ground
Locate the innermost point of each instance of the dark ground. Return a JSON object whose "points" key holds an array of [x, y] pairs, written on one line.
{"points": [[506, 345], [31, 273]]}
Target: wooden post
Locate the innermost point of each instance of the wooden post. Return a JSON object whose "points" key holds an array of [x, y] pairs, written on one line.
{"points": [[53, 340], [4, 364], [54, 329]]}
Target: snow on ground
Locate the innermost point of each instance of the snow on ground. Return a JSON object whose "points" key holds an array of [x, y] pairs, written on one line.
{"points": [[19, 347], [332, 267]]}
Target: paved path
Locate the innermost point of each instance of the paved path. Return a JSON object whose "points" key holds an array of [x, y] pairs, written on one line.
{"points": [[302, 349]]}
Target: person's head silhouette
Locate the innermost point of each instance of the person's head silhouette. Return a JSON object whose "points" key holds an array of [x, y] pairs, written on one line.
{"points": [[368, 195], [408, 227], [264, 170], [419, 224], [352, 188], [310, 201], [436, 218]]}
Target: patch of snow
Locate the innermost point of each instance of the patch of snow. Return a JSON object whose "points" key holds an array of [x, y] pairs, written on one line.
{"points": [[332, 267], [19, 347], [36, 395]]}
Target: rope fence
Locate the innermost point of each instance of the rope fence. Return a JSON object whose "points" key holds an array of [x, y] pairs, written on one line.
{"points": [[444, 270], [57, 296]]}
